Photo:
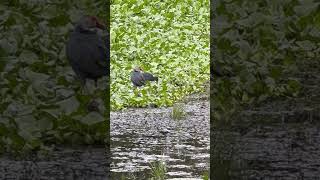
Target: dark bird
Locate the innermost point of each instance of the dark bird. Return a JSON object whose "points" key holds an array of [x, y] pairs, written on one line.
{"points": [[139, 78], [88, 52]]}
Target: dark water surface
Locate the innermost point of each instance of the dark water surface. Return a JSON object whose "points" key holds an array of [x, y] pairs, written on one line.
{"points": [[269, 145], [142, 136]]}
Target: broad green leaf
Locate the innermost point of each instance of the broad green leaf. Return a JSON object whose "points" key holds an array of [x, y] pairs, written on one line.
{"points": [[69, 105], [92, 118]]}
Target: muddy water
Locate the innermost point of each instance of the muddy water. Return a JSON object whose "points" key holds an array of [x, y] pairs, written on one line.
{"points": [[142, 136]]}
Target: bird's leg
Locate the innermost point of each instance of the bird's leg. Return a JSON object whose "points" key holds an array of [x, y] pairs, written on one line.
{"points": [[83, 87], [136, 91], [95, 88], [96, 83], [86, 89], [93, 104]]}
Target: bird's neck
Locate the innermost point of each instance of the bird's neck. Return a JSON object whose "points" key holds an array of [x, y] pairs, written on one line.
{"points": [[81, 29]]}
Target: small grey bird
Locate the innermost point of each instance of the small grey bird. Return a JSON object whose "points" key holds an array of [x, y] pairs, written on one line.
{"points": [[139, 78]]}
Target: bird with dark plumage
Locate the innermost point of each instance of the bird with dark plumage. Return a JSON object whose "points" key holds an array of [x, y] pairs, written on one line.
{"points": [[139, 78], [88, 52]]}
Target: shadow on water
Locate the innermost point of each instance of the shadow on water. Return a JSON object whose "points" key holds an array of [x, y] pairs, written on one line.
{"points": [[142, 136]]}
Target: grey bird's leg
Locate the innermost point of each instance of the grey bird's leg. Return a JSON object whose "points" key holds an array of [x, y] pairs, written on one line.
{"points": [[136, 91]]}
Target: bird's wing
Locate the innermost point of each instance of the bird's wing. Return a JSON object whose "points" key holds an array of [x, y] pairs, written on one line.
{"points": [[149, 77], [88, 55], [137, 79], [104, 47]]}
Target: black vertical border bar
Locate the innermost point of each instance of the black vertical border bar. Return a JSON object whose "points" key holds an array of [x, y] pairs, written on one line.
{"points": [[107, 104], [212, 52]]}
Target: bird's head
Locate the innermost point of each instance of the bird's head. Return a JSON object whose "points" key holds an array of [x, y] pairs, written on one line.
{"points": [[137, 69], [89, 22]]}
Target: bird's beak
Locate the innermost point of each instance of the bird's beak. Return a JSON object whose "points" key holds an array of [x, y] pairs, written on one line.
{"points": [[100, 25]]}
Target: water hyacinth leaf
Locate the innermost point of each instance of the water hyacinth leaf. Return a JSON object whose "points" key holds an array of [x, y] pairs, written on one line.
{"points": [[27, 123], [306, 7], [74, 14], [306, 45], [294, 85], [5, 121], [53, 112], [7, 46], [92, 118], [35, 77], [9, 63], [315, 32], [65, 93], [31, 93], [44, 124], [101, 107], [69, 105], [169, 40], [49, 12], [26, 135], [18, 109]]}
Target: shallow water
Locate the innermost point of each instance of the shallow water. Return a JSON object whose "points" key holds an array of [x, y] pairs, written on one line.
{"points": [[142, 136]]}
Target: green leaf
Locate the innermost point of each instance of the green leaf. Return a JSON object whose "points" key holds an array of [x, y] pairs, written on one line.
{"points": [[306, 7], [306, 45], [92, 118], [69, 105]]}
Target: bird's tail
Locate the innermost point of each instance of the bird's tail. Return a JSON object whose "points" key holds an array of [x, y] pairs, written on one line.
{"points": [[149, 77]]}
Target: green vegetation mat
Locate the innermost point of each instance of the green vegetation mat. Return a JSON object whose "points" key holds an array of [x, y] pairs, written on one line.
{"points": [[170, 39], [40, 103], [267, 46]]}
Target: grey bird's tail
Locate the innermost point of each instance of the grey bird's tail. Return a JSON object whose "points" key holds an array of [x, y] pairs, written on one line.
{"points": [[149, 77]]}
